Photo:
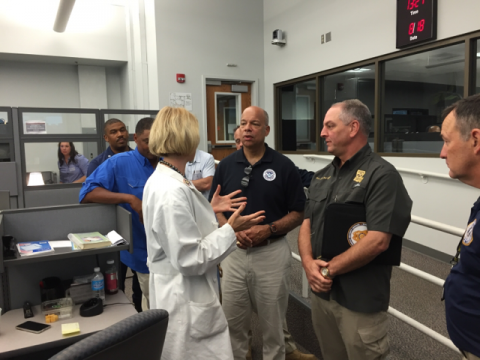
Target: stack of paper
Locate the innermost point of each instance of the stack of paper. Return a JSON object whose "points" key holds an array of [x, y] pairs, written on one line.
{"points": [[70, 329]]}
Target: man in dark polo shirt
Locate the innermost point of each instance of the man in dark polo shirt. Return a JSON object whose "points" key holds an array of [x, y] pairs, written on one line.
{"points": [[116, 134], [255, 277], [461, 150], [351, 295]]}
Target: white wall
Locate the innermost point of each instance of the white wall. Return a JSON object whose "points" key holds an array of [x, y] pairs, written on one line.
{"points": [[94, 31], [198, 38], [363, 30], [38, 85]]}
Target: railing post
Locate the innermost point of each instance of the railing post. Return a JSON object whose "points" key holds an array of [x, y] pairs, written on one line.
{"points": [[305, 286]]}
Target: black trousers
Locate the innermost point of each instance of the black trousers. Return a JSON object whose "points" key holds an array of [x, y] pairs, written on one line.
{"points": [[137, 291]]}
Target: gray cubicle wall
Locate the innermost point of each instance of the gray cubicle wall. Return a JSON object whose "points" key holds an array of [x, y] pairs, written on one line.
{"points": [[52, 197], [21, 276], [8, 182]]}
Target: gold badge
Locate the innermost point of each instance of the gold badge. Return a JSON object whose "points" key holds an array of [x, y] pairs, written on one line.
{"points": [[468, 237], [359, 176], [188, 183], [357, 232]]}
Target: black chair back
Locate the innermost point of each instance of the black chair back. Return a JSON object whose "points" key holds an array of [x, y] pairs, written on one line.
{"points": [[140, 336]]}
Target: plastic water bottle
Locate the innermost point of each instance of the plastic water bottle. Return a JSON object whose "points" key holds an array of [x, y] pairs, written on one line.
{"points": [[98, 285], [111, 277]]}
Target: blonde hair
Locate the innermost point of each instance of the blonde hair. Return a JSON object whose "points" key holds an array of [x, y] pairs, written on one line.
{"points": [[174, 131]]}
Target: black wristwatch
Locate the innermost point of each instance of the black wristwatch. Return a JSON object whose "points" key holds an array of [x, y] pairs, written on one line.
{"points": [[273, 228]]}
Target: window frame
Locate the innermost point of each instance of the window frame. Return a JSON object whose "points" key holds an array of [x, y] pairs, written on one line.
{"points": [[470, 41]]}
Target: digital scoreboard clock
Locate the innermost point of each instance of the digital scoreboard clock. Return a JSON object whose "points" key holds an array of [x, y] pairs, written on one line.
{"points": [[416, 22]]}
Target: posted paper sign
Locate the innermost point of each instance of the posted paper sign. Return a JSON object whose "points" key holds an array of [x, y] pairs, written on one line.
{"points": [[181, 100], [35, 127]]}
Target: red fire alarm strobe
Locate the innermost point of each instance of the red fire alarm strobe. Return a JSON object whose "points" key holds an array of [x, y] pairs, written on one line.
{"points": [[181, 78]]}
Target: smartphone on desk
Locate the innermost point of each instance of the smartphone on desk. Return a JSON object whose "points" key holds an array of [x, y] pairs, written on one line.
{"points": [[33, 327]]}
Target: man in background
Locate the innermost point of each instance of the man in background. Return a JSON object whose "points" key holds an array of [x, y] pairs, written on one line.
{"points": [[116, 134], [121, 180], [237, 137], [461, 150], [200, 172]]}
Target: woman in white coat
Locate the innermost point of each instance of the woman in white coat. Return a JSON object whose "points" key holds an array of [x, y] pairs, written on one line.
{"points": [[185, 245]]}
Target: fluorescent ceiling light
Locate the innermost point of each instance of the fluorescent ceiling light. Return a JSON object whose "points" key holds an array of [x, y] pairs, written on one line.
{"points": [[357, 70], [89, 16], [63, 14], [478, 54]]}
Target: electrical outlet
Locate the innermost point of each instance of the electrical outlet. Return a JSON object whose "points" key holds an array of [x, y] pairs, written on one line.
{"points": [[323, 38], [328, 36]]}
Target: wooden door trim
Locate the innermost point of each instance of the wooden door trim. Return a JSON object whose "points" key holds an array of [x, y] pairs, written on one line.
{"points": [[255, 100], [238, 104]]}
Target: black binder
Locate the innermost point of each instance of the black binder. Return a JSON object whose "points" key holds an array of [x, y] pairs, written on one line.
{"points": [[345, 224]]}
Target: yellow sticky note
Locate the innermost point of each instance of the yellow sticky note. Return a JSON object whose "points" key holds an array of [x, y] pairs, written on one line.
{"points": [[70, 329]]}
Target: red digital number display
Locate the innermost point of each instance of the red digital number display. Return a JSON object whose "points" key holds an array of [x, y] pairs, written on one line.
{"points": [[412, 4], [416, 21]]}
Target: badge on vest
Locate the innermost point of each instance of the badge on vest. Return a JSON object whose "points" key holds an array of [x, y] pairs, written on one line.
{"points": [[468, 237], [357, 232], [359, 176], [269, 175]]}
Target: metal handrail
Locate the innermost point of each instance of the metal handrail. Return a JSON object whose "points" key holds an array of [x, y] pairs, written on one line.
{"points": [[421, 173], [437, 226]]}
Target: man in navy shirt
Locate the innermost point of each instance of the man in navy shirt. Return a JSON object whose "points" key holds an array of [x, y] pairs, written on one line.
{"points": [[461, 150], [116, 134], [255, 277], [121, 180]]}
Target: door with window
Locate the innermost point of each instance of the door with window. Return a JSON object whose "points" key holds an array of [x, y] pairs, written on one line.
{"points": [[225, 104]]}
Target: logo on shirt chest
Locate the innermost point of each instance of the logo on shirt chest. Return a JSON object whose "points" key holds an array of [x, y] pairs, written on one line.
{"points": [[357, 232], [468, 237], [269, 175], [359, 177]]}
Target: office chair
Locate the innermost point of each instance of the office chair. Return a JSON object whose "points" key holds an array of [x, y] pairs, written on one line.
{"points": [[140, 336]]}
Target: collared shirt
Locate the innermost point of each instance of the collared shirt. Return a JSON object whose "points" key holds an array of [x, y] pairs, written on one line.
{"points": [[73, 170], [462, 290], [100, 159], [274, 184], [366, 179], [202, 166], [125, 173]]}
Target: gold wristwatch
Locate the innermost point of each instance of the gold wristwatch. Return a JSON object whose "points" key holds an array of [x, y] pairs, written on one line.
{"points": [[325, 273]]}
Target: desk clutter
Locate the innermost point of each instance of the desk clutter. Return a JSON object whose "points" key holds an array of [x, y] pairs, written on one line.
{"points": [[59, 297], [80, 241]]}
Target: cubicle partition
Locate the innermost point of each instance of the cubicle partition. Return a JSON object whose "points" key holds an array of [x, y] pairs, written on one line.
{"points": [[20, 276], [29, 143]]}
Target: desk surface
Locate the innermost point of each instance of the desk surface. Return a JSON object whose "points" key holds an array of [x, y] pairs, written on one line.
{"points": [[16, 342]]}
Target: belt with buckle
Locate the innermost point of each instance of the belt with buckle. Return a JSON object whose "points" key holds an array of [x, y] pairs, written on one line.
{"points": [[270, 240]]}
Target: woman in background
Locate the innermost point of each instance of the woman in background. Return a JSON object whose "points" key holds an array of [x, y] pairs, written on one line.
{"points": [[185, 245], [72, 165]]}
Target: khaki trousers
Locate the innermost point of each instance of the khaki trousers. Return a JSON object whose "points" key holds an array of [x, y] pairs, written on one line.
{"points": [[470, 356], [344, 334], [143, 281], [256, 279], [290, 345]]}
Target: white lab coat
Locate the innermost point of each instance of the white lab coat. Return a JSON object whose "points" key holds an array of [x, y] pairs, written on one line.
{"points": [[184, 246]]}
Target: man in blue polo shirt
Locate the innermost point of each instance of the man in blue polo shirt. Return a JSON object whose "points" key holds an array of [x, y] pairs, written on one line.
{"points": [[116, 134], [120, 180], [461, 150]]}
